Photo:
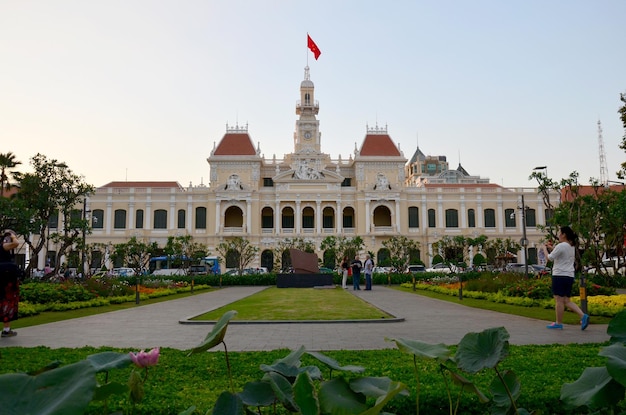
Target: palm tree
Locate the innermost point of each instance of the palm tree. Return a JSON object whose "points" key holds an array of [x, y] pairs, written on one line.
{"points": [[7, 162]]}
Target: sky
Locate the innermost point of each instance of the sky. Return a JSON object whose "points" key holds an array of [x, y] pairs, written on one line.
{"points": [[143, 89]]}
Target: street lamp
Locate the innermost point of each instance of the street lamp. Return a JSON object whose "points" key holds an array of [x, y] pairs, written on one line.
{"points": [[524, 240], [545, 168], [84, 226]]}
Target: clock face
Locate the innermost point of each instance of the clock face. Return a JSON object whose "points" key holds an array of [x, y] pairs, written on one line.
{"points": [[307, 135]]}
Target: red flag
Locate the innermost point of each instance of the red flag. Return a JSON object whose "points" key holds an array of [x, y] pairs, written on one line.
{"points": [[316, 51]]}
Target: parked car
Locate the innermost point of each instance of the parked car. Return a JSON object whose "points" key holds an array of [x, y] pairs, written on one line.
{"points": [[381, 270], [608, 267], [325, 270], [415, 268], [442, 268]]}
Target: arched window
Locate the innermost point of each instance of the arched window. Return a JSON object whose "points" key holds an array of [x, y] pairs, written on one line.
{"points": [[490, 218], [452, 218], [509, 218], [308, 218], [181, 219], [200, 217], [414, 220], [160, 219], [267, 218], [471, 218], [288, 221], [119, 219], [139, 219], [97, 219], [431, 218]]}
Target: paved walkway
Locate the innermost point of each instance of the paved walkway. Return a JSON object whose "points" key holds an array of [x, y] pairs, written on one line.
{"points": [[425, 319]]}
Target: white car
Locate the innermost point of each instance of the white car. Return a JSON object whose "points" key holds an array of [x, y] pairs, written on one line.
{"points": [[442, 268], [123, 272]]}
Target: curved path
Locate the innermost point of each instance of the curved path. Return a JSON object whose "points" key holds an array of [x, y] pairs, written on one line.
{"points": [[426, 319]]}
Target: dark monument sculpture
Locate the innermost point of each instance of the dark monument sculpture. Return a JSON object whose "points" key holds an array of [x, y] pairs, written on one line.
{"points": [[306, 272]]}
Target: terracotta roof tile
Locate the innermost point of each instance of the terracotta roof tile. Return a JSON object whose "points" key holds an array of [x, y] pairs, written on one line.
{"points": [[235, 144], [143, 184], [379, 145]]}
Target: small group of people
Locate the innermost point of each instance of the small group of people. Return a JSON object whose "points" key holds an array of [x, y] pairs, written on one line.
{"points": [[9, 282], [354, 267]]}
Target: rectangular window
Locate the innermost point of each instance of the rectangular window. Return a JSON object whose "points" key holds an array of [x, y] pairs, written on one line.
{"points": [[414, 220], [139, 219], [53, 220], [348, 222], [347, 182], [97, 219], [268, 182], [531, 220], [288, 222]]}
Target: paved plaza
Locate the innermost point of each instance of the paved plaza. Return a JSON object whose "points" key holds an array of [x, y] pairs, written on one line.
{"points": [[424, 319]]}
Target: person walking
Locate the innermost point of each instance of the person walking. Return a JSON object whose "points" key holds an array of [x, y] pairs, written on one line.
{"points": [[356, 266], [9, 282], [563, 256], [345, 265], [368, 268]]}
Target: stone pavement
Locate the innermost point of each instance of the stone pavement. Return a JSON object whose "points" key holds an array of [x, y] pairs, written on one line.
{"points": [[425, 319]]}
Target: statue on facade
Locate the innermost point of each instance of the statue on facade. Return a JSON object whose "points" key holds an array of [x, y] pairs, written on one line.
{"points": [[304, 172], [382, 183], [233, 183]]}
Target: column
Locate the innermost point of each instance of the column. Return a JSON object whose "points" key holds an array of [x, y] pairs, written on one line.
{"points": [[338, 219], [218, 210], [318, 217], [248, 216], [367, 217], [398, 216], [298, 218], [277, 216]]}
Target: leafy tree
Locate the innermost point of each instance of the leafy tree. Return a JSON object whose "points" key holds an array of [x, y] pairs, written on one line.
{"points": [[502, 248], [51, 189], [400, 251], [7, 162], [342, 246], [241, 249]]}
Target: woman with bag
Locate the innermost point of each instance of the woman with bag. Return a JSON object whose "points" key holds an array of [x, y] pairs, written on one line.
{"points": [[345, 266]]}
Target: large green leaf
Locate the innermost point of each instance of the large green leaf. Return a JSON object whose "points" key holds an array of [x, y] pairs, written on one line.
{"points": [[228, 404], [107, 390], [293, 358], [105, 361], [305, 395], [616, 363], [617, 327], [594, 388], [498, 390], [257, 394], [381, 388], [477, 351], [283, 391], [215, 336], [336, 397], [431, 351], [333, 364], [66, 390]]}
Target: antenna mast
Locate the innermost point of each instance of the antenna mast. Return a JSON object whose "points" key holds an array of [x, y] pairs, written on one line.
{"points": [[603, 171]]}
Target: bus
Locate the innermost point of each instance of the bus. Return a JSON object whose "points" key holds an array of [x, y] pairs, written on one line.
{"points": [[164, 265]]}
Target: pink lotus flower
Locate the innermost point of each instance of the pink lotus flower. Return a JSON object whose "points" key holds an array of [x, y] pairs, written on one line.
{"points": [[145, 359]]}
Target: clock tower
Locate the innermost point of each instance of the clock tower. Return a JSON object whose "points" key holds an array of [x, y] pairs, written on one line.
{"points": [[307, 136]]}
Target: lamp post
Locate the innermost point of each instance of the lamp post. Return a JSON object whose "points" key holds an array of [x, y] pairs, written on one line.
{"points": [[544, 168], [524, 240]]}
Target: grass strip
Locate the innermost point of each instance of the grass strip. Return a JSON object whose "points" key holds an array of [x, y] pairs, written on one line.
{"points": [[300, 304]]}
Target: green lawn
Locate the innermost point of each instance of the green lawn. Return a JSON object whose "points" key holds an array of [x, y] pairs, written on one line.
{"points": [[300, 304]]}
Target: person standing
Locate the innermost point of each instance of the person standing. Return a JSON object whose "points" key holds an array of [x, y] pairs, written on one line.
{"points": [[563, 256], [9, 282], [368, 268], [356, 272], [345, 265]]}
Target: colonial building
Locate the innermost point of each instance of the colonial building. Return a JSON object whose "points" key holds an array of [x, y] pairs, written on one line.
{"points": [[374, 193]]}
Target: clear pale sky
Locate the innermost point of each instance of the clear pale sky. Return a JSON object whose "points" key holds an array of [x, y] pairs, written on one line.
{"points": [[141, 90]]}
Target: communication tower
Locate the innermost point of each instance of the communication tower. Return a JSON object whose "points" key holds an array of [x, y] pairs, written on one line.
{"points": [[603, 171]]}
